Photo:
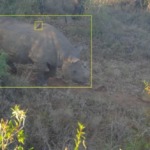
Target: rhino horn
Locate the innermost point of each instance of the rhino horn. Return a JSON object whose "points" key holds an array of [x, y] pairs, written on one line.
{"points": [[77, 51]]}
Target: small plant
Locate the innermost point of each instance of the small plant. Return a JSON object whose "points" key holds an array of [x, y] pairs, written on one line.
{"points": [[79, 136], [147, 86], [12, 131], [3, 64], [140, 139], [138, 142]]}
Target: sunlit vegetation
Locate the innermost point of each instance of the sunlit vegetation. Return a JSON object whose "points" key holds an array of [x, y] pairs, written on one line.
{"points": [[12, 131]]}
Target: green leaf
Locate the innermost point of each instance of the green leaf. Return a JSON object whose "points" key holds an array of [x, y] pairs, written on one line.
{"points": [[147, 145], [75, 141], [76, 148], [82, 132], [10, 124], [20, 148], [31, 148], [77, 136], [21, 136], [7, 134], [79, 124], [17, 124], [11, 130], [1, 137]]}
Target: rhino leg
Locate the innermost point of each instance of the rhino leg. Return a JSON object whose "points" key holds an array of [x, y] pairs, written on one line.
{"points": [[41, 79], [12, 66], [40, 74], [51, 72]]}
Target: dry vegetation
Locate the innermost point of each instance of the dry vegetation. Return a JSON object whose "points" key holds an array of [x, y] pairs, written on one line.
{"points": [[116, 110]]}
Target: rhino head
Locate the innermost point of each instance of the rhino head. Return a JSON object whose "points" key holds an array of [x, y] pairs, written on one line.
{"points": [[74, 68]]}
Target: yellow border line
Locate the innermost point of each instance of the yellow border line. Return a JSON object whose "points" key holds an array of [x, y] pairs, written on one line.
{"points": [[91, 50], [44, 15]]}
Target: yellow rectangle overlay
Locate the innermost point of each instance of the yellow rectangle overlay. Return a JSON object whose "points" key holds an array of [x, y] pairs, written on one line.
{"points": [[91, 51], [40, 23]]}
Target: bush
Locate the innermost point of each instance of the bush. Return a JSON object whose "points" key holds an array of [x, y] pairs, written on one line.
{"points": [[7, 7], [12, 130], [3, 64]]}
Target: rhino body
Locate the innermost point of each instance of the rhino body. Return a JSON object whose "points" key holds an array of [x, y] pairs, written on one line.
{"points": [[73, 7], [47, 48]]}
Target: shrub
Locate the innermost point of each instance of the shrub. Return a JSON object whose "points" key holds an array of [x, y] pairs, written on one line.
{"points": [[12, 130], [3, 64], [79, 136]]}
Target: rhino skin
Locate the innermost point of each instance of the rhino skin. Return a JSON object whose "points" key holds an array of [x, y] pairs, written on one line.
{"points": [[47, 48], [73, 7]]}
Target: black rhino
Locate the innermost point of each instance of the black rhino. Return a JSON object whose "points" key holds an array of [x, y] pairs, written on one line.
{"points": [[47, 48]]}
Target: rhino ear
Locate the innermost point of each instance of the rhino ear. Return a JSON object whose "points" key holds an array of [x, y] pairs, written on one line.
{"points": [[77, 51]]}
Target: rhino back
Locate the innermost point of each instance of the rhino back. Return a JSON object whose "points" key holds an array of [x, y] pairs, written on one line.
{"points": [[54, 47], [62, 45]]}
